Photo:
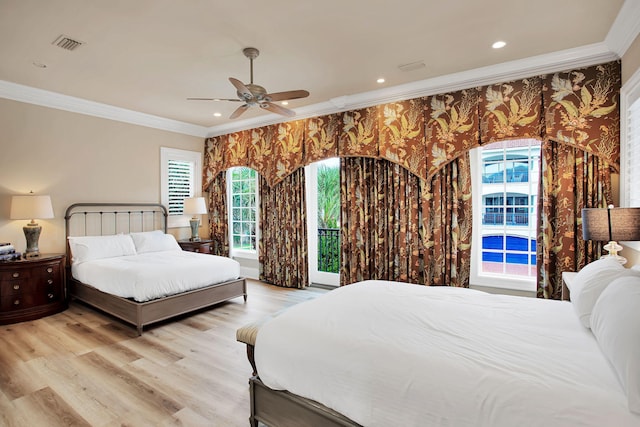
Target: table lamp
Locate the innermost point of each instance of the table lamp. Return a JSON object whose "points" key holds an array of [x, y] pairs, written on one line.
{"points": [[31, 207], [611, 225], [194, 206]]}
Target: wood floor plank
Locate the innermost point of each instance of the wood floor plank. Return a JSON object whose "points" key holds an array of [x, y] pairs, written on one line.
{"points": [[83, 367]]}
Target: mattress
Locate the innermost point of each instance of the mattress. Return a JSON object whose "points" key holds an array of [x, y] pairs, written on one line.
{"points": [[152, 275], [394, 354]]}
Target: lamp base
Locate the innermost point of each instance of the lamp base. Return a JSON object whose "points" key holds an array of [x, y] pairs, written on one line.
{"points": [[613, 247], [32, 235], [194, 223]]}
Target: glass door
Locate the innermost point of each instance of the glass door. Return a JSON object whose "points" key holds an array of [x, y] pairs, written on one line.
{"points": [[323, 221]]}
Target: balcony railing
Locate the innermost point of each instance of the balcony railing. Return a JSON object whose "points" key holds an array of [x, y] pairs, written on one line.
{"points": [[498, 178], [510, 218], [329, 250]]}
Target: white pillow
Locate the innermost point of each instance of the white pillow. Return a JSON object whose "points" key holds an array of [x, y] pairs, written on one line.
{"points": [[154, 241], [88, 248], [590, 282], [615, 322]]}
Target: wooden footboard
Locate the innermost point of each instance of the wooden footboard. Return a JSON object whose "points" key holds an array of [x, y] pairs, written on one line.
{"points": [[284, 409], [145, 313]]}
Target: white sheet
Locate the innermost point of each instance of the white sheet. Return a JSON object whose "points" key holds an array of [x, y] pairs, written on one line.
{"points": [[147, 276], [393, 354]]}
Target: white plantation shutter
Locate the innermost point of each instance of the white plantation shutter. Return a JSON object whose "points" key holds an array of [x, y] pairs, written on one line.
{"points": [[181, 177], [180, 184], [632, 177]]}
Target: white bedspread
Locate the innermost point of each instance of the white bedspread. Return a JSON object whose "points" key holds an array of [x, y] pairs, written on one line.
{"points": [[392, 354], [146, 276]]}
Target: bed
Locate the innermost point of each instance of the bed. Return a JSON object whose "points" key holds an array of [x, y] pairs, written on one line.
{"points": [[123, 263], [380, 353]]}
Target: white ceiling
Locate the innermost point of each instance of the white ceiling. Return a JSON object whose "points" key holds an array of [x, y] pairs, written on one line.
{"points": [[148, 56]]}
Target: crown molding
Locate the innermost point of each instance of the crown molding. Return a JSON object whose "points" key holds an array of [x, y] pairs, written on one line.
{"points": [[59, 101], [625, 28], [583, 56]]}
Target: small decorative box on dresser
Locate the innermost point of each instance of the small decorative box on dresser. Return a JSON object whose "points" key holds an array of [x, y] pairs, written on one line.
{"points": [[203, 246], [32, 288]]}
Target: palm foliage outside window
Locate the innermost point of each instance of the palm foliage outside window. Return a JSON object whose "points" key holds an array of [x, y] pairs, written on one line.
{"points": [[329, 217]]}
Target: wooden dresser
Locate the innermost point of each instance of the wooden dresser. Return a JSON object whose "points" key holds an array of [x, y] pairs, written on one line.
{"points": [[32, 288], [203, 246]]}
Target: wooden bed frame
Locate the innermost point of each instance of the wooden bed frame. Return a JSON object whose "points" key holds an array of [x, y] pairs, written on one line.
{"points": [[284, 409], [112, 218]]}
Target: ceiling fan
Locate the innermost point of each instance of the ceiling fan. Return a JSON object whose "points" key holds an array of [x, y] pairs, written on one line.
{"points": [[252, 94]]}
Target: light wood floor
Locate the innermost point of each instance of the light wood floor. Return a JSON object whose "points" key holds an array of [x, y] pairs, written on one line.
{"points": [[81, 367]]}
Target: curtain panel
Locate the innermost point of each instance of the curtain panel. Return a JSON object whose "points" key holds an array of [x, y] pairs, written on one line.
{"points": [[580, 151], [447, 224], [218, 220], [283, 232], [380, 222]]}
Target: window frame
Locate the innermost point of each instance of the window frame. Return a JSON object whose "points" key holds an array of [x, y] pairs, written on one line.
{"points": [[629, 95], [477, 277], [195, 157], [242, 253]]}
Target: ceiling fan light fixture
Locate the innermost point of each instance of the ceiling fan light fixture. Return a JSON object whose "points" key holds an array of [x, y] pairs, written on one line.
{"points": [[252, 94]]}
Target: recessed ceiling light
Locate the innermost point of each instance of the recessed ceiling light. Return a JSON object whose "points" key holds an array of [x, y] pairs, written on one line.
{"points": [[380, 80], [217, 114], [284, 103], [499, 45]]}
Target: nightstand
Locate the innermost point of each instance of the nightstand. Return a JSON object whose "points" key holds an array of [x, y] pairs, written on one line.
{"points": [[32, 288], [567, 280], [202, 246]]}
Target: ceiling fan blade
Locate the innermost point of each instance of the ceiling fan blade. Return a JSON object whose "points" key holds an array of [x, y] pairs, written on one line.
{"points": [[275, 108], [238, 112], [291, 94], [214, 99], [241, 88]]}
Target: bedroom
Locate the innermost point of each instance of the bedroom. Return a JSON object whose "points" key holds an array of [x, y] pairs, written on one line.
{"points": [[79, 157]]}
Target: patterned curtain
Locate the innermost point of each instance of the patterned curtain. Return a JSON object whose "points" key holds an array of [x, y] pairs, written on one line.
{"points": [[572, 179], [380, 221], [511, 110], [402, 133], [283, 232], [321, 138], [447, 222], [582, 149], [218, 222]]}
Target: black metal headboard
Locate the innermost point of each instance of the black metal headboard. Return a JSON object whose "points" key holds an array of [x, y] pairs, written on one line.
{"points": [[102, 219]]}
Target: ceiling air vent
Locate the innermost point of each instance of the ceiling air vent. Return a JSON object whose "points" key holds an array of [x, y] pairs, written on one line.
{"points": [[67, 43]]}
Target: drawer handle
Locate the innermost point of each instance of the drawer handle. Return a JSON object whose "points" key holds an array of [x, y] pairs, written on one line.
{"points": [[49, 270], [50, 281], [16, 287], [50, 296], [16, 302], [16, 274]]}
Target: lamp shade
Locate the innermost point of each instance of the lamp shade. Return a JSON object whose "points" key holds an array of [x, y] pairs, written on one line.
{"points": [[31, 207], [618, 224], [195, 206]]}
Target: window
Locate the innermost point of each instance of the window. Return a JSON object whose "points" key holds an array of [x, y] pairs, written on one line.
{"points": [[243, 208], [630, 146], [181, 175], [505, 180]]}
